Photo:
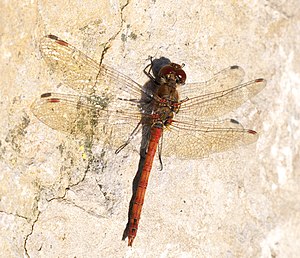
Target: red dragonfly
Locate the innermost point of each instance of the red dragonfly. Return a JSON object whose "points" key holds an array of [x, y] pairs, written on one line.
{"points": [[116, 109]]}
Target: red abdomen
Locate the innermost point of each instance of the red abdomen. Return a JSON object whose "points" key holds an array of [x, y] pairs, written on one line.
{"points": [[138, 200]]}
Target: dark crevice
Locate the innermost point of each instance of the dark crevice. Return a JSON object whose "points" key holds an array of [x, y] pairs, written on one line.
{"points": [[112, 38], [72, 185], [30, 233], [14, 214]]}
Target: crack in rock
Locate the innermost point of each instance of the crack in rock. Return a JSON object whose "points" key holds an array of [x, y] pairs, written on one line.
{"points": [[14, 214], [30, 233]]}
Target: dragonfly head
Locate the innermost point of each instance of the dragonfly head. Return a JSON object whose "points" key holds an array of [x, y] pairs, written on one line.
{"points": [[172, 74]]}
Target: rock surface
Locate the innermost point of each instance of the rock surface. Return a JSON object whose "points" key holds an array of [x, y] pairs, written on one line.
{"points": [[56, 202]]}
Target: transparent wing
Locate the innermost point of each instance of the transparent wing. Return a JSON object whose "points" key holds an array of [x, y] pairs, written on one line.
{"points": [[85, 75], [204, 138], [221, 81], [85, 116], [215, 104]]}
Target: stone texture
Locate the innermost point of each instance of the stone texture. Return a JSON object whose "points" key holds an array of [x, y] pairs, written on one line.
{"points": [[55, 202]]}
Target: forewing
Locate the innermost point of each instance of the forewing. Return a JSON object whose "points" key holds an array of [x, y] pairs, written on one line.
{"points": [[85, 75], [223, 80], [216, 104], [196, 141]]}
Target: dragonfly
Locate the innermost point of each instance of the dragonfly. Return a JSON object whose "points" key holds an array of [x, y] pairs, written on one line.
{"points": [[174, 117]]}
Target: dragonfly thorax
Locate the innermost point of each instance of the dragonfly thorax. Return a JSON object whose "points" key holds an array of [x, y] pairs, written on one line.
{"points": [[165, 91]]}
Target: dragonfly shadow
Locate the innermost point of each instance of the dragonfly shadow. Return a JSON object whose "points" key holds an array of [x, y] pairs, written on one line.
{"points": [[159, 63], [150, 86]]}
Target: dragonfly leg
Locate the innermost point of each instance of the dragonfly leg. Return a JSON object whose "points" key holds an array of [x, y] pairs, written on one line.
{"points": [[160, 152], [131, 136], [148, 73]]}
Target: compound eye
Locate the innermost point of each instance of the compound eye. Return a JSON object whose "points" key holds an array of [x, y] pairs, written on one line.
{"points": [[166, 70], [181, 76]]}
